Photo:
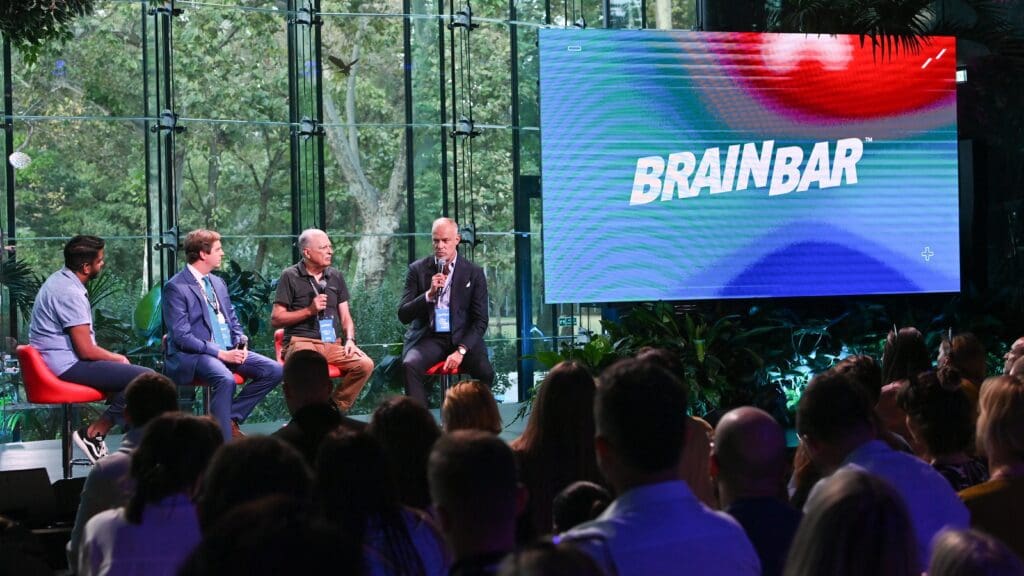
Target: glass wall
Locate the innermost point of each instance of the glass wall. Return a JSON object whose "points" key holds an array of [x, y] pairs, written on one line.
{"points": [[367, 118]]}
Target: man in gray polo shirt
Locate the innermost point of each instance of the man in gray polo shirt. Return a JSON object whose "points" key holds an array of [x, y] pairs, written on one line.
{"points": [[61, 329]]}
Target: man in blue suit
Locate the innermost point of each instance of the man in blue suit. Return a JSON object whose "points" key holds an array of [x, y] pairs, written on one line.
{"points": [[205, 340]]}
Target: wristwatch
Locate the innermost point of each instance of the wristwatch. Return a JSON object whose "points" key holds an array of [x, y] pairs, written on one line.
{"points": [[462, 350]]}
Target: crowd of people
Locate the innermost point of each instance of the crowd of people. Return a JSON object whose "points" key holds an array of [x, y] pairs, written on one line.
{"points": [[903, 465]]}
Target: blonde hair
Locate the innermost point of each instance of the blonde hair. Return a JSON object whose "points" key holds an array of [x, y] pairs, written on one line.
{"points": [[469, 405], [1001, 416]]}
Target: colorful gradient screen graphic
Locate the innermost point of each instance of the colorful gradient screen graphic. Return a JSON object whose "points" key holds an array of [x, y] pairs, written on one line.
{"points": [[685, 166]]}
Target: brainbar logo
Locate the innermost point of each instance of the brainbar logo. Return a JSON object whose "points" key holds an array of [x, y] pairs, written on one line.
{"points": [[657, 177]]}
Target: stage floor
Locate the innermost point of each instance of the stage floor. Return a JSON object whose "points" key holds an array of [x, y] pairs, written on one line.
{"points": [[46, 453]]}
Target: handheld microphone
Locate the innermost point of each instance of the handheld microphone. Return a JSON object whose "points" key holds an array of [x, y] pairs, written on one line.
{"points": [[322, 287], [442, 264]]}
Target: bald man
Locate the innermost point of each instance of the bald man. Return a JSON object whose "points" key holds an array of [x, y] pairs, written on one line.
{"points": [[749, 464]]}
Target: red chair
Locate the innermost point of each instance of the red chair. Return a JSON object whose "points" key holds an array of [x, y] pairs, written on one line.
{"points": [[332, 370], [239, 380], [446, 376], [43, 387]]}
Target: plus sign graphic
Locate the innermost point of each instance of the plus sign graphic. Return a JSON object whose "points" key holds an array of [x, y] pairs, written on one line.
{"points": [[927, 254]]}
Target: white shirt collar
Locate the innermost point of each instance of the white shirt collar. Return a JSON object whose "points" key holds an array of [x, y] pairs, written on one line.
{"points": [[195, 273]]}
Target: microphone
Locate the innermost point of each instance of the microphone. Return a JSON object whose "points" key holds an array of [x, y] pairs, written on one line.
{"points": [[442, 266], [322, 287]]}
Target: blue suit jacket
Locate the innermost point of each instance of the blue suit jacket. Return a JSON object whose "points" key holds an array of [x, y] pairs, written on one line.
{"points": [[189, 333]]}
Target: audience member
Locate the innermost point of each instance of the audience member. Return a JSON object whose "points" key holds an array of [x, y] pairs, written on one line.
{"points": [[640, 418], [695, 464], [248, 469], [966, 354], [407, 431], [355, 489], [579, 502], [941, 421], [271, 536], [749, 463], [855, 525], [557, 446], [109, 483], [469, 405], [998, 505], [308, 395], [972, 553], [836, 425], [477, 498], [904, 354], [1018, 368], [1015, 353], [158, 528], [548, 559]]}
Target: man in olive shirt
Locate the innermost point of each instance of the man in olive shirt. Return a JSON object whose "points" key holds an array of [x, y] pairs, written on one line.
{"points": [[312, 307]]}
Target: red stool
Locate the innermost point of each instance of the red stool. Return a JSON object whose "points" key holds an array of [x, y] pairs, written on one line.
{"points": [[43, 387], [447, 376], [332, 370], [239, 380]]}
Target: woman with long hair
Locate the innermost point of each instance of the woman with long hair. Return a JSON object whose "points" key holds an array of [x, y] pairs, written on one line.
{"points": [[356, 490], [557, 445], [158, 528], [904, 354]]}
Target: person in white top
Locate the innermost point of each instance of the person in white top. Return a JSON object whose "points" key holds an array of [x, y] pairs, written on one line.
{"points": [[656, 525], [158, 528]]}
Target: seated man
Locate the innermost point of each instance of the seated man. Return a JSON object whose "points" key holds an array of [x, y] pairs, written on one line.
{"points": [[445, 305], [312, 298], [205, 340], [61, 330]]}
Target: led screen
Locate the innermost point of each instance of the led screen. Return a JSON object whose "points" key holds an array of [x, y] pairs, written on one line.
{"points": [[690, 165]]}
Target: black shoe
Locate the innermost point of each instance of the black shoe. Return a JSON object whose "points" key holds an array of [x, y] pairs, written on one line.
{"points": [[94, 448]]}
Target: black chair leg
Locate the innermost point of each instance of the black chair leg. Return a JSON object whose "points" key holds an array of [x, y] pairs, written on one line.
{"points": [[65, 442]]}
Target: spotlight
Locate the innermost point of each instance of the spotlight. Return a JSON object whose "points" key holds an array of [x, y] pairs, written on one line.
{"points": [[19, 160]]}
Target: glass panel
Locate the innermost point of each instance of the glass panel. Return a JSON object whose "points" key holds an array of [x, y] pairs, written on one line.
{"points": [[624, 14], [680, 14]]}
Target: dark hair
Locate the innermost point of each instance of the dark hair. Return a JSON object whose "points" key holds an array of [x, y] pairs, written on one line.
{"points": [[579, 502], [82, 250], [832, 407], [172, 454], [854, 524], [967, 354], [972, 553], [557, 446], [306, 366], [273, 535], [545, 558], [940, 410], [469, 405], [197, 241], [149, 395], [248, 469], [355, 488], [407, 431], [904, 354], [473, 476], [640, 409], [863, 370]]}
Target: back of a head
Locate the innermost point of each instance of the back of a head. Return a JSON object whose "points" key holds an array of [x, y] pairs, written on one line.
{"points": [[905, 353], [548, 559], [833, 407], [1000, 428], [863, 370], [579, 502], [407, 432], [270, 536], [353, 477], [972, 553], [1017, 368], [640, 410], [940, 411], [473, 478], [563, 411], [856, 525], [967, 354], [306, 379], [172, 455], [750, 449], [469, 405], [248, 469], [149, 395]]}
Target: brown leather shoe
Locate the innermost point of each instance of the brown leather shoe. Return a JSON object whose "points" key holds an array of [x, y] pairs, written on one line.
{"points": [[236, 432]]}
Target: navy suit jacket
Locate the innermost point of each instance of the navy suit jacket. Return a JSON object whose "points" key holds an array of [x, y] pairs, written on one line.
{"points": [[468, 303], [189, 333]]}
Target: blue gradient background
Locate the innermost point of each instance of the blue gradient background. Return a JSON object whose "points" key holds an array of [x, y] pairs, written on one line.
{"points": [[628, 94]]}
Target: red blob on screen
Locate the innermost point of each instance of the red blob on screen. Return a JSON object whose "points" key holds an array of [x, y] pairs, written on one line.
{"points": [[835, 77]]}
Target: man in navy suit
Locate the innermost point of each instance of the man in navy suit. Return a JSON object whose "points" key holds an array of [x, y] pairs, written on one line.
{"points": [[445, 305], [205, 340]]}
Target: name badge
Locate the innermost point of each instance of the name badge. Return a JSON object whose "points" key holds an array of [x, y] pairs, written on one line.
{"points": [[225, 332], [442, 320], [327, 333]]}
